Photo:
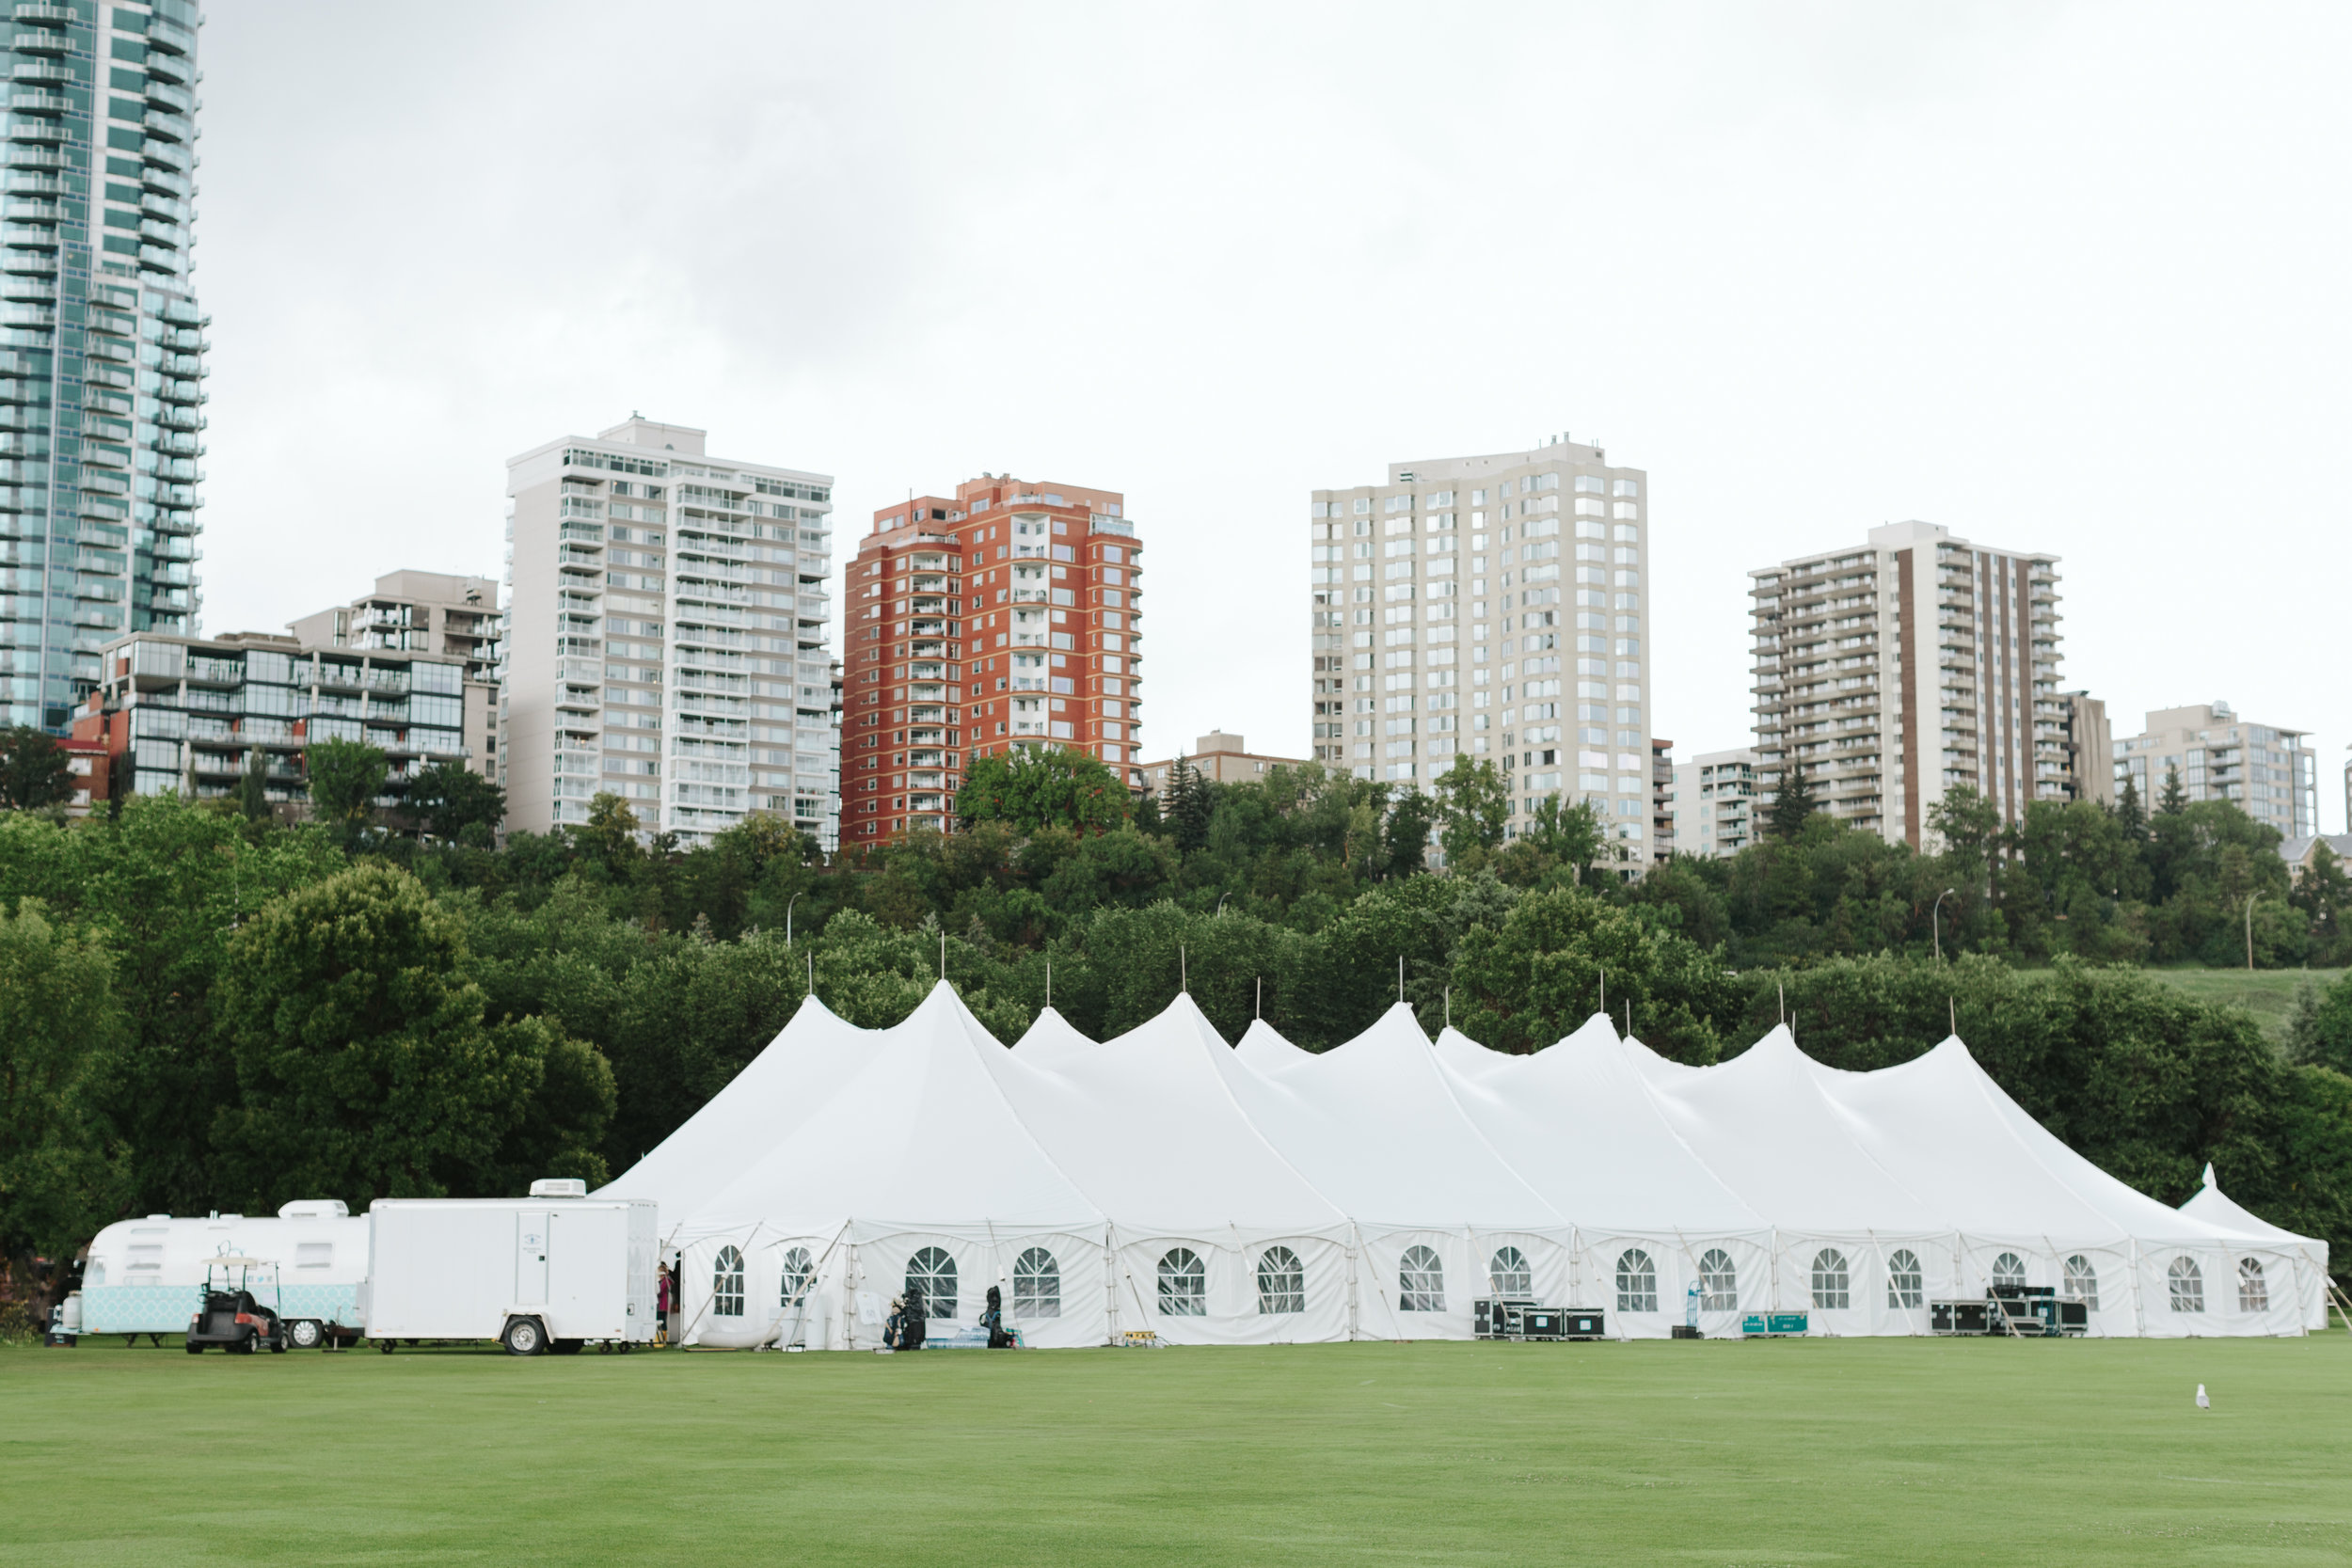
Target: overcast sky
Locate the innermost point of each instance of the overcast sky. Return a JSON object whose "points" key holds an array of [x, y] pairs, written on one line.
{"points": [[2060, 277]]}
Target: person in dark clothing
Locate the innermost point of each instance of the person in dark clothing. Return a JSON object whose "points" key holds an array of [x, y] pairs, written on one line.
{"points": [[917, 1313], [895, 1325], [993, 1320]]}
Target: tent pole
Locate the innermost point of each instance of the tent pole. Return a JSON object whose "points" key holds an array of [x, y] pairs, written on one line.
{"points": [[812, 972], [1260, 1009], [943, 955], [1049, 982], [1184, 970], [1604, 992], [1449, 1007], [1951, 1010], [1400, 978]]}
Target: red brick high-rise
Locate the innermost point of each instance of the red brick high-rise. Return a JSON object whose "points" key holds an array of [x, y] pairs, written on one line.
{"points": [[1007, 617]]}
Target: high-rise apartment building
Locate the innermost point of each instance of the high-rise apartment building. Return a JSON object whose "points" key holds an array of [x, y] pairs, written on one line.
{"points": [[1007, 615], [2267, 771], [102, 381], [427, 613], [1493, 606], [1716, 813], [1907, 668], [666, 635]]}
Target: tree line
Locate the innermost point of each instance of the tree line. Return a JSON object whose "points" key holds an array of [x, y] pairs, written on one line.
{"points": [[203, 1006]]}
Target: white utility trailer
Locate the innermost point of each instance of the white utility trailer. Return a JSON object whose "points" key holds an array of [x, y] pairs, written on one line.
{"points": [[147, 1276], [555, 1271]]}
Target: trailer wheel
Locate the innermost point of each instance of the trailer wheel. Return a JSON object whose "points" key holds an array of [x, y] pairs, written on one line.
{"points": [[304, 1334], [387, 1346], [524, 1337]]}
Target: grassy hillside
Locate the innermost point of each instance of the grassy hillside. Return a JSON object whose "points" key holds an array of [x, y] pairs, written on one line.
{"points": [[1854, 1451], [2267, 994]]}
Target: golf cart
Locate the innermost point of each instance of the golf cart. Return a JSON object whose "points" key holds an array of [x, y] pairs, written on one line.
{"points": [[230, 1317]]}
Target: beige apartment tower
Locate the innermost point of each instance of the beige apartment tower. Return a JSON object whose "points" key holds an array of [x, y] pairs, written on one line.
{"points": [[2271, 772], [436, 613], [667, 636], [1494, 605], [1911, 666]]}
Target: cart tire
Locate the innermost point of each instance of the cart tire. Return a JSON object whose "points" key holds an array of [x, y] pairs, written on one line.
{"points": [[241, 1347], [304, 1334], [195, 1350], [524, 1337], [277, 1344]]}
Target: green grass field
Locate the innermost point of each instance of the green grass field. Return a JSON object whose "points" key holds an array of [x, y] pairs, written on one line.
{"points": [[2267, 994], [1861, 1451]]}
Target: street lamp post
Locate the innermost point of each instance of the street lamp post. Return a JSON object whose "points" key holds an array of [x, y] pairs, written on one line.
{"points": [[1935, 918], [787, 918], [2250, 930]]}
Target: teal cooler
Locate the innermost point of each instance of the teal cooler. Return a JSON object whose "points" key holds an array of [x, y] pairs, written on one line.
{"points": [[1756, 1325]]}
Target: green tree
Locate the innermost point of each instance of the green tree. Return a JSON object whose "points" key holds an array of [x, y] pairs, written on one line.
{"points": [[1188, 805], [2174, 799], [1474, 808], [1559, 837], [1540, 976], [608, 839], [166, 886], [1405, 838], [451, 802], [34, 769], [364, 1067], [60, 1177], [346, 779], [2326, 1035], [2323, 893], [253, 787], [1034, 787], [1794, 803]]}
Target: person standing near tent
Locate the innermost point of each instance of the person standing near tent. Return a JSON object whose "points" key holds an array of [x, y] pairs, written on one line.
{"points": [[661, 1307]]}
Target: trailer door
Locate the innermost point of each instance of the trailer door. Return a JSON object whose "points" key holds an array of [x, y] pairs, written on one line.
{"points": [[530, 1257]]}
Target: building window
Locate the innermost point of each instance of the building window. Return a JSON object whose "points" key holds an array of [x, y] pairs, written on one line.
{"points": [[1036, 1285], [1637, 1282], [726, 1284], [2187, 1283], [1510, 1275], [1421, 1281], [1905, 1286], [1719, 1285], [1183, 1284], [1282, 1282], [933, 1272], [1830, 1293]]}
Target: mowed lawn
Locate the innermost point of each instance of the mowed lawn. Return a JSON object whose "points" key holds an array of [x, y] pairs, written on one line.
{"points": [[2267, 994], [1859, 1450]]}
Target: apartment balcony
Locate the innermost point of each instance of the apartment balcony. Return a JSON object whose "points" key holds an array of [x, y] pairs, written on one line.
{"points": [[170, 99], [42, 72], [40, 41], [156, 258], [169, 156], [38, 100], [35, 128], [171, 127], [161, 33]]}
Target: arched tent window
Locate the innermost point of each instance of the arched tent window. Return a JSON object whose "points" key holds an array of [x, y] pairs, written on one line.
{"points": [[1183, 1284], [1421, 1281], [2082, 1281], [2253, 1290], [726, 1284], [1036, 1285], [799, 1270], [1719, 1282], [2008, 1270], [1830, 1280], [933, 1272], [2187, 1284], [1282, 1282], [1905, 1288], [1637, 1282], [1509, 1273]]}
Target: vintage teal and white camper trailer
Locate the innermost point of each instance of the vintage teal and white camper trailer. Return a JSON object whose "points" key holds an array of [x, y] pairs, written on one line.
{"points": [[147, 1276]]}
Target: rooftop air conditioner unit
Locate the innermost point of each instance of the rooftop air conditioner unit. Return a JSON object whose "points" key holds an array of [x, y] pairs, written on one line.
{"points": [[558, 1186]]}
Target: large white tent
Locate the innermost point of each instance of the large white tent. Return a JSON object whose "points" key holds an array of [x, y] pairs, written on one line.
{"points": [[1163, 1180]]}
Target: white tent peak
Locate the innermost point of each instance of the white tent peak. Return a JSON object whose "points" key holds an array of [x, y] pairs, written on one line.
{"points": [[2210, 1184], [1263, 1049], [1049, 1040], [1465, 1054]]}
